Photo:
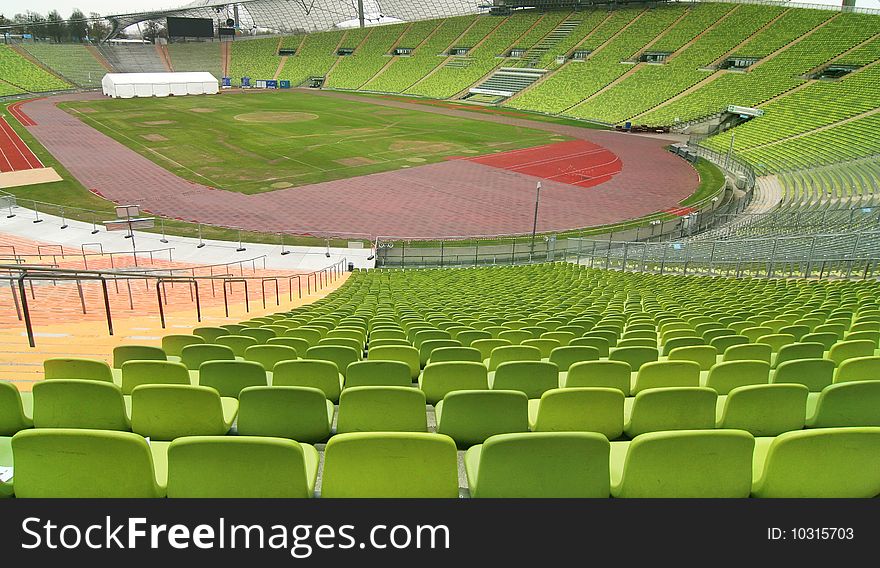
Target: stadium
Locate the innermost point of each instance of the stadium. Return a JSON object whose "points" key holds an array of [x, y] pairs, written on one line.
{"points": [[444, 249]]}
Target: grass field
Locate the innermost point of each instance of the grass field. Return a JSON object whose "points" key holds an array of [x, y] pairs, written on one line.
{"points": [[252, 143]]}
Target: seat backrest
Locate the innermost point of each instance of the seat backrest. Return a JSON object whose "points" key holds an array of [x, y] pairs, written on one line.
{"points": [[229, 377], [765, 410], [210, 334], [312, 336], [378, 373], [530, 377], [820, 463], [793, 351], [750, 352], [545, 464], [468, 337], [635, 356], [61, 463], [444, 354], [844, 350], [172, 344], [236, 466], [755, 332], [402, 353], [546, 346], [854, 403], [342, 356], [471, 416], [688, 464], [816, 374], [515, 336], [666, 374], [260, 334], [298, 413], [672, 408], [323, 375], [797, 330], [76, 403], [77, 368], [563, 337], [194, 355], [343, 341], [439, 379], [427, 347], [123, 353], [725, 341], [704, 355], [425, 334], [599, 343], [608, 374], [269, 355], [297, 343], [685, 341], [581, 409], [776, 341], [166, 412], [381, 409], [726, 376], [858, 369], [565, 357], [12, 416], [390, 464], [135, 373], [238, 343], [828, 339], [509, 353]]}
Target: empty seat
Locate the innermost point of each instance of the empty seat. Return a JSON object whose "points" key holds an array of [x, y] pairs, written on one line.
{"points": [[794, 351], [260, 334], [238, 343], [546, 346], [510, 353], [323, 375], [268, 355], [378, 373], [136, 373], [210, 334], [578, 409], [123, 353], [381, 409], [704, 355], [635, 356], [609, 374], [229, 377], [241, 467], [76, 403], [858, 369], [63, 463], [390, 464], [539, 464], [194, 355], [427, 348], [845, 350], [486, 346], [439, 379], [656, 374], [15, 410], [299, 413], [764, 410], [816, 374], [166, 412], [749, 352], [683, 464], [673, 408], [342, 356], [565, 357], [402, 353], [76, 368], [173, 344], [446, 354], [471, 416], [531, 377], [301, 345], [818, 463], [855, 403], [598, 342], [726, 376]]}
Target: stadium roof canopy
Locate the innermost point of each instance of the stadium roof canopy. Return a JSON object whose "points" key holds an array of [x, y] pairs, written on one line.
{"points": [[285, 16]]}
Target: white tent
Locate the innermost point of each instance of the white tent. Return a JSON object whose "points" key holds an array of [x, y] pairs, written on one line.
{"points": [[129, 85]]}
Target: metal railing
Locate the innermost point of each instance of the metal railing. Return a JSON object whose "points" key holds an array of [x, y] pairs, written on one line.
{"points": [[18, 276]]}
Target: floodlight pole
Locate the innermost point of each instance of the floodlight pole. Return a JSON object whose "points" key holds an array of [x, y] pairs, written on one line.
{"points": [[361, 13], [535, 222], [131, 235]]}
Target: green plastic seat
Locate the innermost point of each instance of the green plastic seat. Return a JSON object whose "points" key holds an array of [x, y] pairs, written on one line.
{"points": [[515, 336], [238, 343], [6, 487], [764, 410], [166, 412], [579, 409], [269, 355], [776, 341], [827, 339], [260, 334], [704, 355], [439, 379], [816, 374], [546, 346], [798, 330], [77, 368], [405, 354], [756, 332], [378, 374], [381, 409], [299, 344], [229, 377], [194, 355], [299, 413], [123, 353], [750, 352], [845, 350], [173, 344], [636, 342], [606, 374], [683, 464], [427, 348], [818, 463], [82, 463], [77, 403], [471, 416], [685, 341], [232, 328], [342, 356], [322, 375], [387, 334], [241, 467], [449, 354], [136, 373], [565, 357], [539, 464], [468, 337], [656, 374], [858, 369], [312, 336], [531, 377], [15, 410], [210, 334], [725, 341], [794, 351], [343, 341], [855, 403], [671, 408], [390, 464], [728, 375], [635, 356], [385, 342], [597, 342]]}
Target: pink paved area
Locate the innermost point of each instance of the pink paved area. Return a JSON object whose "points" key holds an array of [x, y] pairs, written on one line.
{"points": [[448, 199]]}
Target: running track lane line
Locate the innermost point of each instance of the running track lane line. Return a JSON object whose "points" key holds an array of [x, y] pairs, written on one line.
{"points": [[16, 154], [20, 116]]}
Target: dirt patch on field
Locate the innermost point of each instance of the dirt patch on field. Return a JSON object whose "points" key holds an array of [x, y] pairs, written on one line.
{"points": [[154, 137], [415, 159], [276, 117], [421, 146], [356, 161], [158, 122], [281, 184], [202, 109], [86, 110]]}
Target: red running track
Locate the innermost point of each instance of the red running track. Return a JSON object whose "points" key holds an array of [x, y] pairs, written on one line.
{"points": [[577, 162], [14, 153]]}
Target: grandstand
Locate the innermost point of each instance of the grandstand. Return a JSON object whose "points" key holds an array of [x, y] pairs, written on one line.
{"points": [[722, 342]]}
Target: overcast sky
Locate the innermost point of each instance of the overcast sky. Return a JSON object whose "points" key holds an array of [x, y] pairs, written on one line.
{"points": [[104, 7]]}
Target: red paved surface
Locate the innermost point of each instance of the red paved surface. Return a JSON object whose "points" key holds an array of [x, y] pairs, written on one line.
{"points": [[577, 162], [448, 199], [15, 110], [14, 153]]}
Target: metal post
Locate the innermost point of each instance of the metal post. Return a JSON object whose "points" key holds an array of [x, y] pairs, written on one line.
{"points": [[240, 246], [163, 239], [283, 252], [201, 244], [107, 306], [94, 225], [11, 214], [63, 225], [37, 214], [26, 313]]}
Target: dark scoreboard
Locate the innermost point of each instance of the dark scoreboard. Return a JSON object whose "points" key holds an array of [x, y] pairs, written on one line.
{"points": [[190, 27]]}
